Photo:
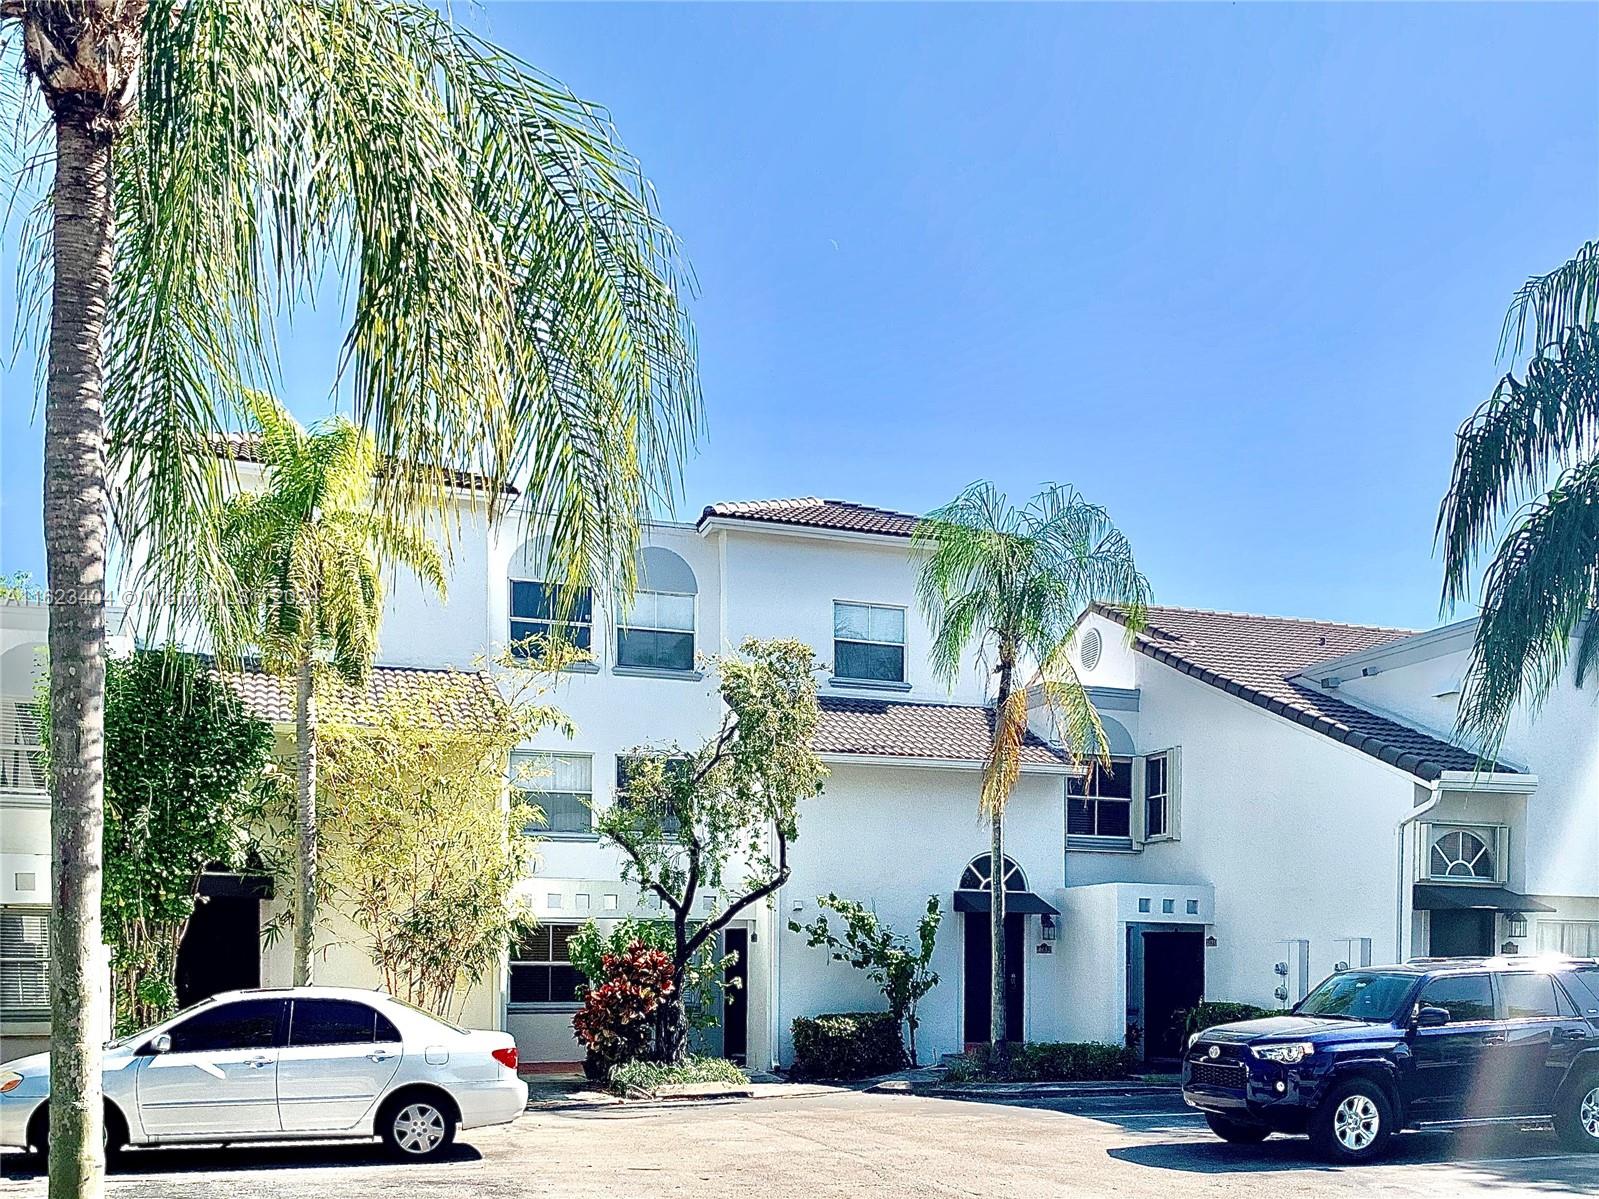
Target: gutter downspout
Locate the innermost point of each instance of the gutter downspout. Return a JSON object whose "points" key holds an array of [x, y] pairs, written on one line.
{"points": [[1416, 813]]}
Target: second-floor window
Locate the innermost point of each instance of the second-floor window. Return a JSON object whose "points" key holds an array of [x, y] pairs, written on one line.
{"points": [[869, 642], [657, 630], [626, 765], [561, 786], [1100, 803], [21, 748], [1157, 796], [552, 611]]}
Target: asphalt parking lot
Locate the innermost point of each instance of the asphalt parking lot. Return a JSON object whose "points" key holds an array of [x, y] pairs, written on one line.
{"points": [[854, 1145]]}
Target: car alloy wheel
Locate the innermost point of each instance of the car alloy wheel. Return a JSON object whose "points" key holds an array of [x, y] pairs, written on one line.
{"points": [[1588, 1113], [419, 1128], [1356, 1122]]}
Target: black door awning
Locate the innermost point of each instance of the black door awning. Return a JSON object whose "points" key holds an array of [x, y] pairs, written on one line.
{"points": [[1023, 903], [1440, 897]]}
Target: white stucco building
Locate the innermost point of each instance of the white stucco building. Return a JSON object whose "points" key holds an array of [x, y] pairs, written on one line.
{"points": [[1286, 795]]}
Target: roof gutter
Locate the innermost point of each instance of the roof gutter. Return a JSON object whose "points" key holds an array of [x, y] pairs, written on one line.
{"points": [[900, 760]]}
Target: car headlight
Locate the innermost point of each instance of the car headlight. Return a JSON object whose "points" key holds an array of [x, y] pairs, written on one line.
{"points": [[1290, 1054], [1192, 1037], [10, 1080]]}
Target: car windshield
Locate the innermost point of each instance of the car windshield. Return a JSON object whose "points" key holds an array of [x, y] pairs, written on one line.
{"points": [[1358, 995], [128, 1038]]}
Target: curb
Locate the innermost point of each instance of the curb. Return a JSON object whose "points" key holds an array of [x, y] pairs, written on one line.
{"points": [[1064, 1090]]}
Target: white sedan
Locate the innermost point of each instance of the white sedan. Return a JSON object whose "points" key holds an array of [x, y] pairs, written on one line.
{"points": [[301, 1063]]}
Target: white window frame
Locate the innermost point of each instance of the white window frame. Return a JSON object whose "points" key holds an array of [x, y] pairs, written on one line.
{"points": [[1097, 840], [903, 644], [512, 619], [1495, 836], [529, 786], [538, 1005], [626, 625], [1172, 805], [14, 1013], [1558, 928], [22, 771]]}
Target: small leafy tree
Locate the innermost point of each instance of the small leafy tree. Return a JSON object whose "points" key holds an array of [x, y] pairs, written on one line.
{"points": [[185, 766], [901, 968], [421, 849], [718, 820]]}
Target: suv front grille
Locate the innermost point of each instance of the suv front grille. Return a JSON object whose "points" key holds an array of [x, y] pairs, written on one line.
{"points": [[1231, 1075]]}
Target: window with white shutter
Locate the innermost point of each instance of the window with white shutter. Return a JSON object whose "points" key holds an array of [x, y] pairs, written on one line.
{"points": [[25, 963]]}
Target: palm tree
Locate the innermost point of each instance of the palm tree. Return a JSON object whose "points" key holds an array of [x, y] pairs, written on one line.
{"points": [[307, 556], [512, 306], [1530, 455], [1013, 583]]}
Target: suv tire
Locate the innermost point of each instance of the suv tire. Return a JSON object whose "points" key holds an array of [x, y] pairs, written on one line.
{"points": [[1353, 1123], [1577, 1113], [1236, 1132]]}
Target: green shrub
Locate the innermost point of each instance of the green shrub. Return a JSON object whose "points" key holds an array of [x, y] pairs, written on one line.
{"points": [[1209, 1015], [1047, 1061], [631, 1078], [847, 1045]]}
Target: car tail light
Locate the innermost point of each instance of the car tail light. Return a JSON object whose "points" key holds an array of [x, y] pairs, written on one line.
{"points": [[506, 1057]]}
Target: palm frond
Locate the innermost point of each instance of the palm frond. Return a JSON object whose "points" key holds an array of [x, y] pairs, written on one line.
{"points": [[517, 304], [1549, 304], [1004, 762], [1540, 585], [1506, 452]]}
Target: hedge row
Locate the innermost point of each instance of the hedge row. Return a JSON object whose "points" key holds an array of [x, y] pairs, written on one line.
{"points": [[1049, 1061], [846, 1045]]}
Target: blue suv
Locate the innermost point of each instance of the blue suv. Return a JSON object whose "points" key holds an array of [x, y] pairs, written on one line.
{"points": [[1437, 1043]]}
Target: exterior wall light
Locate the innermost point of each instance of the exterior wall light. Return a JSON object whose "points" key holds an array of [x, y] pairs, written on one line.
{"points": [[1515, 925], [1051, 927]]}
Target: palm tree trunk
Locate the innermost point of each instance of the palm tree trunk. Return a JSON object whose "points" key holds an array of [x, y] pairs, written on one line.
{"points": [[998, 1034], [305, 823], [75, 547]]}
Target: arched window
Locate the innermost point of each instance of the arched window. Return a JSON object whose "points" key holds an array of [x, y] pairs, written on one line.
{"points": [[543, 609], [976, 876], [657, 631], [1461, 854]]}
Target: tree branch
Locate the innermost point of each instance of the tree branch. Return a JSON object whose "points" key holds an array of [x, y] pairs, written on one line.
{"points": [[711, 927]]}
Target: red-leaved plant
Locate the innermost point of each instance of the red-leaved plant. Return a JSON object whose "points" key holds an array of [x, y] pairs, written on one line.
{"points": [[617, 1021]]}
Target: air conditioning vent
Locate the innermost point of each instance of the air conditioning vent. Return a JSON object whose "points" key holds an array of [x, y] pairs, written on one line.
{"points": [[1089, 649]]}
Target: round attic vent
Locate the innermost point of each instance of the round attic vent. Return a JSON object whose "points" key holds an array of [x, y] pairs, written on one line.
{"points": [[1090, 648]]}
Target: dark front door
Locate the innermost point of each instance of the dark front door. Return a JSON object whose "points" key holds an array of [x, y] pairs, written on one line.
{"points": [[1174, 981], [221, 948], [735, 997], [978, 975], [1461, 935]]}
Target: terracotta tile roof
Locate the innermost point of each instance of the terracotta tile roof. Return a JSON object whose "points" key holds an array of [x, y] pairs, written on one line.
{"points": [[461, 699], [245, 447], [816, 514], [1258, 657], [901, 729]]}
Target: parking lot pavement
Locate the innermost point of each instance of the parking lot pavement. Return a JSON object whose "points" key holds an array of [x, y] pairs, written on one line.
{"points": [[854, 1145]]}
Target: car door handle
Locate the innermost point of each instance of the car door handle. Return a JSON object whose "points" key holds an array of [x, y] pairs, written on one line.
{"points": [[1495, 1038], [257, 1063], [379, 1055], [1569, 1034]]}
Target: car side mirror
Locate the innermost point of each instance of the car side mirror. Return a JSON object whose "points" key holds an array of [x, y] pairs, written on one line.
{"points": [[1432, 1017], [161, 1043]]}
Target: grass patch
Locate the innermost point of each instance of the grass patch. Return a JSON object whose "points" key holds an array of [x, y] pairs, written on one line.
{"points": [[648, 1077]]}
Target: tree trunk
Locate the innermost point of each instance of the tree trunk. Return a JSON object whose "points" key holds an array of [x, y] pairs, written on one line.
{"points": [[305, 823], [998, 1033], [75, 544]]}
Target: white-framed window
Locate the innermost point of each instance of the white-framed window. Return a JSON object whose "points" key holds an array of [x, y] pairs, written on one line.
{"points": [[21, 749], [1099, 805], [25, 963], [553, 611], [1575, 938], [868, 642], [1157, 796], [657, 630], [541, 967], [562, 785], [1459, 853], [625, 765]]}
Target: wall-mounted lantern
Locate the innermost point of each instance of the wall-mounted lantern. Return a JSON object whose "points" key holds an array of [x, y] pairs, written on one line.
{"points": [[1051, 927], [1515, 925]]}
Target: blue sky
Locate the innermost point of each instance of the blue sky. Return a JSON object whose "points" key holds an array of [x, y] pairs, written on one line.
{"points": [[1235, 271]]}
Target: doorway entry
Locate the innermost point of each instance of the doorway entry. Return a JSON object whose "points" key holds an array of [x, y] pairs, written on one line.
{"points": [[1460, 934], [221, 949], [979, 964], [736, 997], [1174, 981]]}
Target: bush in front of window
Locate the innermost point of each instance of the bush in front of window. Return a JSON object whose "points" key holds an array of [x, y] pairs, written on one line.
{"points": [[617, 1022], [846, 1045], [1209, 1014]]}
